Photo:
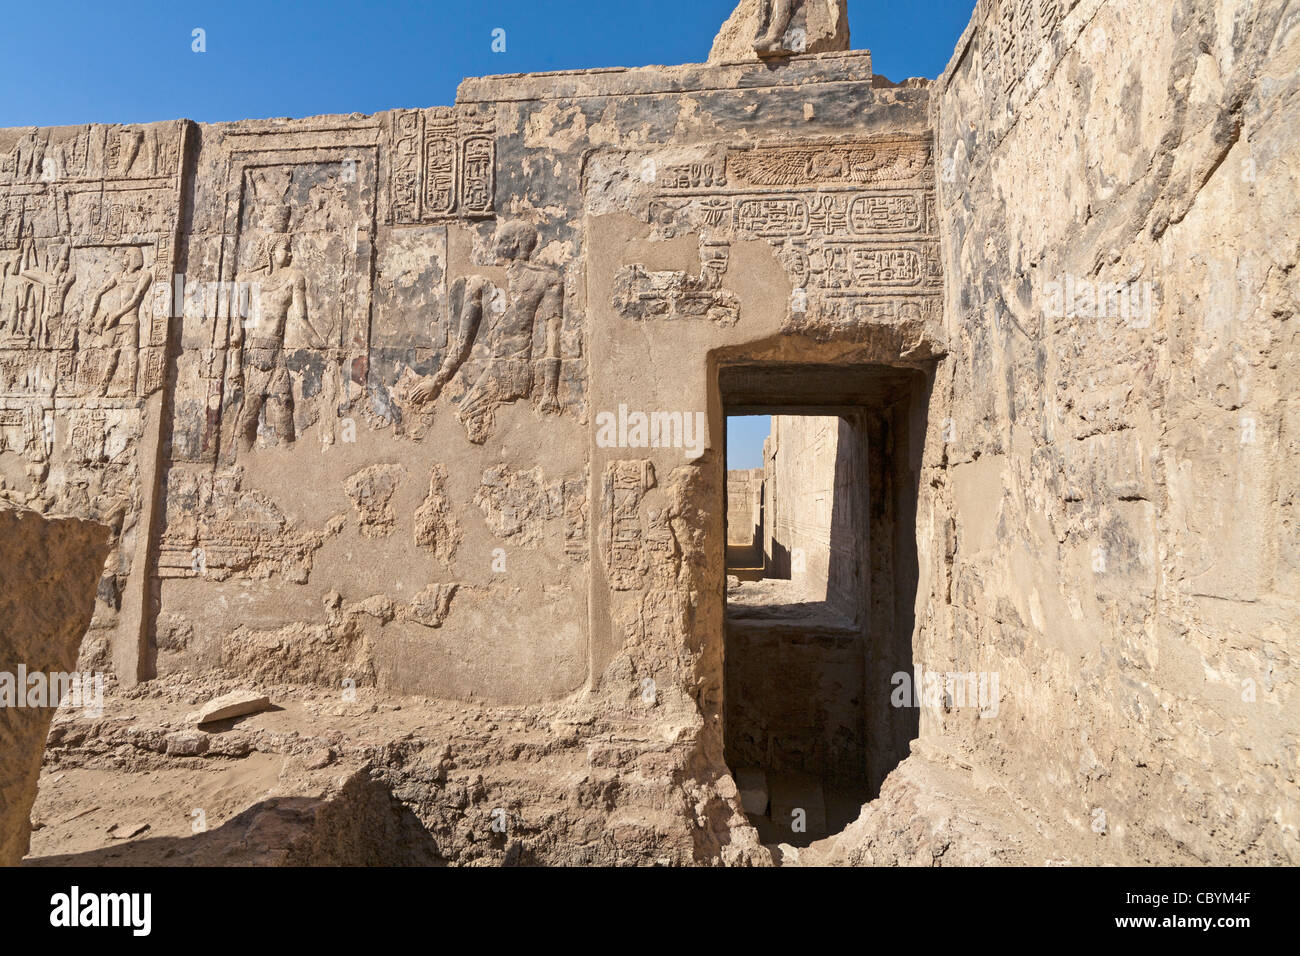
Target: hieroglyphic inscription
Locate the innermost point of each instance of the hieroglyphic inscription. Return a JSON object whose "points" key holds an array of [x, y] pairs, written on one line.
{"points": [[523, 506], [442, 164], [1012, 35], [890, 159], [694, 176], [624, 532], [641, 294], [854, 222], [215, 528], [478, 175]]}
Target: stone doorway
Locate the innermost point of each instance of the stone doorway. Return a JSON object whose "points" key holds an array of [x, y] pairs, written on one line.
{"points": [[820, 588]]}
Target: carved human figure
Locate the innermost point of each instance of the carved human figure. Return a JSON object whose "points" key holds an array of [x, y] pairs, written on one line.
{"points": [[534, 306], [30, 155], [777, 15], [467, 300], [12, 291], [257, 344], [37, 447], [56, 279], [21, 299], [129, 143], [119, 328]]}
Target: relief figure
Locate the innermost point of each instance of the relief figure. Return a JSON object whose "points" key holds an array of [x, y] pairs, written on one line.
{"points": [[257, 345], [118, 329], [533, 308]]}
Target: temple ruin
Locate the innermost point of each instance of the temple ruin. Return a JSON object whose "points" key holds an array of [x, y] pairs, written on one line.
{"points": [[408, 432]]}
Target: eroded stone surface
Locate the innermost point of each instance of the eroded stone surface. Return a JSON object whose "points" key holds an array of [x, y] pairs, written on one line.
{"points": [[765, 28], [48, 574], [1117, 476]]}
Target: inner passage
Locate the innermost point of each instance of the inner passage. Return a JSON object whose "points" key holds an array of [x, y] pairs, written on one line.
{"points": [[821, 586]]}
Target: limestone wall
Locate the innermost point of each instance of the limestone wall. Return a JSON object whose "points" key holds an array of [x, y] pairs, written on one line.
{"points": [[433, 400], [818, 496], [1112, 531], [89, 221], [49, 570], [745, 509], [347, 416]]}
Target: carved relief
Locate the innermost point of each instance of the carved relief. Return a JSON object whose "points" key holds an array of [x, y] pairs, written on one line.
{"points": [[694, 176], [493, 360], [92, 152], [639, 294], [524, 507], [442, 164], [29, 432], [257, 352], [87, 227], [272, 355], [217, 529], [574, 492], [1012, 34], [624, 534], [879, 162], [88, 278], [116, 326], [34, 294], [371, 490], [431, 606], [87, 222], [853, 224], [436, 527]]}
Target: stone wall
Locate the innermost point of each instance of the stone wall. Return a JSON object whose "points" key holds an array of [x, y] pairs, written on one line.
{"points": [[1112, 528], [432, 402], [89, 222], [372, 392], [49, 571], [745, 510], [818, 496]]}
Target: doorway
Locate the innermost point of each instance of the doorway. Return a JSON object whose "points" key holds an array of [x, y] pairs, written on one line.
{"points": [[820, 588]]}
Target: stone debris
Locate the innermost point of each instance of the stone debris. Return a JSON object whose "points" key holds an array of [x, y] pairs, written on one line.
{"points": [[237, 703]]}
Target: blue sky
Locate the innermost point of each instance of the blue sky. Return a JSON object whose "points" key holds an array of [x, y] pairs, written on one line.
{"points": [[131, 62], [745, 434]]}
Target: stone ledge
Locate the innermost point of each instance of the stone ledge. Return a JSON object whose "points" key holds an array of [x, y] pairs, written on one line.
{"points": [[849, 67]]}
